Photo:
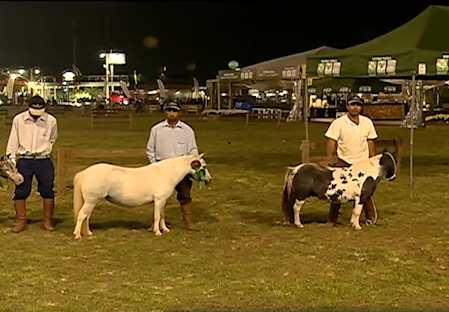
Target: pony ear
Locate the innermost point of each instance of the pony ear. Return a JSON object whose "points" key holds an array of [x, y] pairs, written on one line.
{"points": [[201, 155]]}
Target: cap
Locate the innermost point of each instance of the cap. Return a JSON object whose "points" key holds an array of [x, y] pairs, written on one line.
{"points": [[172, 105], [355, 100], [37, 105]]}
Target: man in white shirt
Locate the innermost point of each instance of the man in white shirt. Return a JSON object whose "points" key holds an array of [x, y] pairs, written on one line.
{"points": [[172, 138], [30, 143], [354, 136]]}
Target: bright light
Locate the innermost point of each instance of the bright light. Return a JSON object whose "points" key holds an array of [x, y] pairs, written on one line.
{"points": [[102, 55], [31, 84], [37, 71], [68, 75], [13, 76], [64, 83], [21, 71], [125, 102]]}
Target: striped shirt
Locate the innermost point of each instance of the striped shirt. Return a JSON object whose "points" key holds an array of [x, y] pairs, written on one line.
{"points": [[31, 137], [166, 141]]}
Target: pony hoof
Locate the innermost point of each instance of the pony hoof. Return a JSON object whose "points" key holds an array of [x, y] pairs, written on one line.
{"points": [[77, 236], [356, 227], [90, 233], [286, 223], [158, 233], [166, 230], [299, 226]]}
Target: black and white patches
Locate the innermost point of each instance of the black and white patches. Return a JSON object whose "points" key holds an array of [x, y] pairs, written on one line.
{"points": [[361, 175]]}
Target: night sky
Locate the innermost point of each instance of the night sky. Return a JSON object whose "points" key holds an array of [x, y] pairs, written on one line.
{"points": [[207, 34]]}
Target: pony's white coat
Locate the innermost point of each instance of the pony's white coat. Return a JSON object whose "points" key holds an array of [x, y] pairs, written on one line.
{"points": [[130, 187]]}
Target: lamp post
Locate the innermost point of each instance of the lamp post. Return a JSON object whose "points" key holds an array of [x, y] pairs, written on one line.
{"points": [[67, 77], [111, 59]]}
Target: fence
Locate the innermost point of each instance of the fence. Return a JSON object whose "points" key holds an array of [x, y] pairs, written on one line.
{"points": [[64, 169], [108, 116], [395, 143]]}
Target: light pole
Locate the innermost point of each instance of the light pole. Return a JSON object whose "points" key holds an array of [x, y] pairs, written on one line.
{"points": [[67, 77], [111, 59]]}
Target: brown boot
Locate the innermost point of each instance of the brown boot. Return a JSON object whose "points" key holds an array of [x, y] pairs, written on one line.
{"points": [[334, 210], [49, 205], [370, 211], [21, 215], [187, 211]]}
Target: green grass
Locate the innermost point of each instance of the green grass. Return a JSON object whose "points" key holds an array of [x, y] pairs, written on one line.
{"points": [[241, 258]]}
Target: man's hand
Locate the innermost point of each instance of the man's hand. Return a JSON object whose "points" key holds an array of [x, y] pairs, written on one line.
{"points": [[326, 162]]}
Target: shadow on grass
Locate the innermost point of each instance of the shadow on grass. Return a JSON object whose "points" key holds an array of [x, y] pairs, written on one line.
{"points": [[274, 219], [199, 215]]}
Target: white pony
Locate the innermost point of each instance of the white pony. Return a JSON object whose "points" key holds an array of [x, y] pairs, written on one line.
{"points": [[133, 187]]}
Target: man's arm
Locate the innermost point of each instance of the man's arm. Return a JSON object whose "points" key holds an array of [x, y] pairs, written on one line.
{"points": [[192, 147], [54, 133], [372, 148], [332, 134], [13, 141], [151, 146], [331, 145]]}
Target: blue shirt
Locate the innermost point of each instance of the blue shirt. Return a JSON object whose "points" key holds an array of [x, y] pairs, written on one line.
{"points": [[166, 141]]}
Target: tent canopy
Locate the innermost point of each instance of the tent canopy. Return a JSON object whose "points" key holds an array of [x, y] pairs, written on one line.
{"points": [[417, 46], [348, 85], [277, 65], [290, 60]]}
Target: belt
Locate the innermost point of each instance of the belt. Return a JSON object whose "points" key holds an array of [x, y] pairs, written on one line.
{"points": [[35, 156]]}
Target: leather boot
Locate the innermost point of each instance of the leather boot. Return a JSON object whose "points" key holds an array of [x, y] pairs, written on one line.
{"points": [[334, 210], [21, 215], [187, 211], [49, 205], [370, 211]]}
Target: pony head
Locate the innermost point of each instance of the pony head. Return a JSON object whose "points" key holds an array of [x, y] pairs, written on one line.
{"points": [[199, 169], [8, 170], [388, 165]]}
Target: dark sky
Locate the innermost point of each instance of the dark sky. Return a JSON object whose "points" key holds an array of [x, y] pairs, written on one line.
{"points": [[208, 34]]}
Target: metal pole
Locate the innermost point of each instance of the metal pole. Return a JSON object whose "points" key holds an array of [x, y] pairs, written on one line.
{"points": [[219, 93], [112, 78], [412, 116], [106, 79], [306, 108], [231, 98]]}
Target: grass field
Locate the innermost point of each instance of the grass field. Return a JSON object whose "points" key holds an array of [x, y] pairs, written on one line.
{"points": [[241, 257]]}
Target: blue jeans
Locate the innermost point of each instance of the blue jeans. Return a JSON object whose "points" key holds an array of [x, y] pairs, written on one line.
{"points": [[45, 174]]}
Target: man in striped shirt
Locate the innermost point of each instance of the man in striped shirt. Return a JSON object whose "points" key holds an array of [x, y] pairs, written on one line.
{"points": [[30, 143], [172, 138]]}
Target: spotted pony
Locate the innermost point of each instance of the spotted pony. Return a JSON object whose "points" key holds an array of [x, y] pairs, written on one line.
{"points": [[338, 185]]}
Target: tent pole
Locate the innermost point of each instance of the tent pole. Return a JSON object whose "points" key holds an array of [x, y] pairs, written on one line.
{"points": [[218, 93], [305, 105], [412, 116]]}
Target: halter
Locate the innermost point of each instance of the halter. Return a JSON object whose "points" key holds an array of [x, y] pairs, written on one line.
{"points": [[394, 164]]}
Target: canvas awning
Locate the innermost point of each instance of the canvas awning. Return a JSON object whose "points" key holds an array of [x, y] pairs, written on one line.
{"points": [[418, 46]]}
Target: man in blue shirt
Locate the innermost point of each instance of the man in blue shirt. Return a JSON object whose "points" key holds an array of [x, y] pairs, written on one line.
{"points": [[172, 138]]}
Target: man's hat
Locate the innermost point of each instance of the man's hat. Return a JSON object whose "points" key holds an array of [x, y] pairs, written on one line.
{"points": [[37, 105], [172, 105], [355, 100]]}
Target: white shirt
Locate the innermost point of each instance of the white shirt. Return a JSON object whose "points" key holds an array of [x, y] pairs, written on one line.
{"points": [[32, 137], [166, 141], [352, 139]]}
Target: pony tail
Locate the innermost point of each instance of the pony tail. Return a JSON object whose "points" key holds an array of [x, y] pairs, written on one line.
{"points": [[287, 199]]}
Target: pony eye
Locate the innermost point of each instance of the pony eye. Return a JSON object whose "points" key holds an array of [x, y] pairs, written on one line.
{"points": [[196, 164]]}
